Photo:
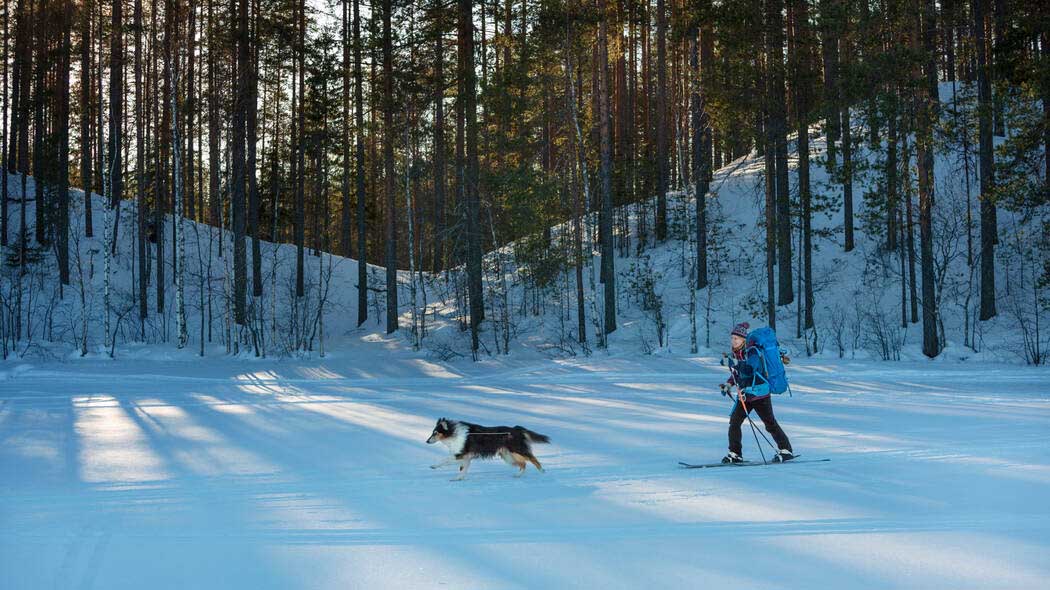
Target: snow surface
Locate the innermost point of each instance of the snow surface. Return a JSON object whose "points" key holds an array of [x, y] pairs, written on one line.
{"points": [[313, 474]]}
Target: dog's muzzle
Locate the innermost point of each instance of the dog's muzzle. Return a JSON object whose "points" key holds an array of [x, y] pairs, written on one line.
{"points": [[433, 439]]}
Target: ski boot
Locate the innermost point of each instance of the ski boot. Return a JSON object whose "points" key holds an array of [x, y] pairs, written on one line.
{"points": [[783, 455], [732, 458]]}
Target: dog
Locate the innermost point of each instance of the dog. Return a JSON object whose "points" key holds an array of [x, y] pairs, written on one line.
{"points": [[466, 441]]}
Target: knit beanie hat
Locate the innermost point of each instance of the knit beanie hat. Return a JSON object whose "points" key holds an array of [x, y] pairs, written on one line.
{"points": [[741, 329]]}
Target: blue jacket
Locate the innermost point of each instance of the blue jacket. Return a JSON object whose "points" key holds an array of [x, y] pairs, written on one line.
{"points": [[744, 365]]}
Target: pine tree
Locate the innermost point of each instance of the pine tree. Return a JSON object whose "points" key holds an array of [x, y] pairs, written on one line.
{"points": [[439, 143], [606, 229], [299, 141], [802, 81], [344, 227], [701, 56], [987, 158], [661, 121], [468, 96], [86, 106], [62, 129], [140, 164], [359, 149], [252, 141], [926, 116], [238, 180], [5, 161], [178, 233], [778, 136], [390, 259]]}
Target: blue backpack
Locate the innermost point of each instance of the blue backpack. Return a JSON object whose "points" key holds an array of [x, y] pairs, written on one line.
{"points": [[764, 341]]}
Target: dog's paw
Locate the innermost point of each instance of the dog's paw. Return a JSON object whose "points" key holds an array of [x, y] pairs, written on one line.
{"points": [[457, 479]]}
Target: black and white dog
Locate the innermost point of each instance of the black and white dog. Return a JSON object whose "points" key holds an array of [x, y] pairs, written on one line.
{"points": [[466, 441]]}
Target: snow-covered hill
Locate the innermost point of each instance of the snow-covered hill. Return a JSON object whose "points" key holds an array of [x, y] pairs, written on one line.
{"points": [[533, 313]]}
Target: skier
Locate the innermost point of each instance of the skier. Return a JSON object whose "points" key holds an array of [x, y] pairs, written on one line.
{"points": [[744, 364]]}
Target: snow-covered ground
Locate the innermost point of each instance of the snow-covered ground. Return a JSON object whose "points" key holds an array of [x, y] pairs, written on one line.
{"points": [[313, 474]]}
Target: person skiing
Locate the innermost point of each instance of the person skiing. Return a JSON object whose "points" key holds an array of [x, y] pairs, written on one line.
{"points": [[744, 364]]}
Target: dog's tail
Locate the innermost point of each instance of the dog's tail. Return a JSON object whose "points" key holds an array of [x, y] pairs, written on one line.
{"points": [[533, 437]]}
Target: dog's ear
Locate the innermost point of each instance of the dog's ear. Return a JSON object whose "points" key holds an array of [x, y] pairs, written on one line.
{"points": [[442, 423]]}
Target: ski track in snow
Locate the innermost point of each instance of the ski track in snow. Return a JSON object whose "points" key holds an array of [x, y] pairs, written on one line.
{"points": [[281, 474]]}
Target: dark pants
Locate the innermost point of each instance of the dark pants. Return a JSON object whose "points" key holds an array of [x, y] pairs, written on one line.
{"points": [[764, 408]]}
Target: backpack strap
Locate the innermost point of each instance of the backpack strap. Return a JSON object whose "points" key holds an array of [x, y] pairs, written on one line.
{"points": [[758, 389]]}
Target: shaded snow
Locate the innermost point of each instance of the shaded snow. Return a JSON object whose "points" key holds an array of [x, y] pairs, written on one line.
{"points": [[314, 474]]}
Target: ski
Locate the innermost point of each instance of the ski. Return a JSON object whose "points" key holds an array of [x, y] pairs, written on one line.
{"points": [[746, 463]]}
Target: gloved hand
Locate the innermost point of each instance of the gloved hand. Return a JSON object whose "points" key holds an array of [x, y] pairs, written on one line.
{"points": [[725, 388]]}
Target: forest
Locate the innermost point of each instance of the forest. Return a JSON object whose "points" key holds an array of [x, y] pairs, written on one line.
{"points": [[486, 161]]}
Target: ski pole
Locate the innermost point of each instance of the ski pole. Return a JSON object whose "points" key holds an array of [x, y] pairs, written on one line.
{"points": [[754, 430], [753, 427]]}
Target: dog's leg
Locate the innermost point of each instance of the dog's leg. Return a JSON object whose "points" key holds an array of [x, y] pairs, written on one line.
{"points": [[535, 462], [448, 461], [464, 466], [519, 462]]}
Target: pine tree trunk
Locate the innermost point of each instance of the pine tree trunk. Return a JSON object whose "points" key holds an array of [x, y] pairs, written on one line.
{"points": [[802, 74], [771, 224], [1044, 42], [995, 63], [468, 94], [116, 113], [345, 241], [439, 149], [608, 270], [575, 181], [20, 130], [987, 159], [362, 238], [299, 112], [927, 114], [892, 199], [778, 124], [140, 164], [43, 182], [830, 23], [661, 121], [845, 97], [700, 57], [5, 161], [189, 196], [214, 130], [390, 259], [847, 181], [909, 224], [86, 105], [252, 131], [99, 112], [178, 194], [239, 11], [62, 129], [161, 169]]}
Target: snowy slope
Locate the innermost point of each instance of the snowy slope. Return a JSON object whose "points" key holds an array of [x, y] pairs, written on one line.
{"points": [[313, 474], [854, 291]]}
